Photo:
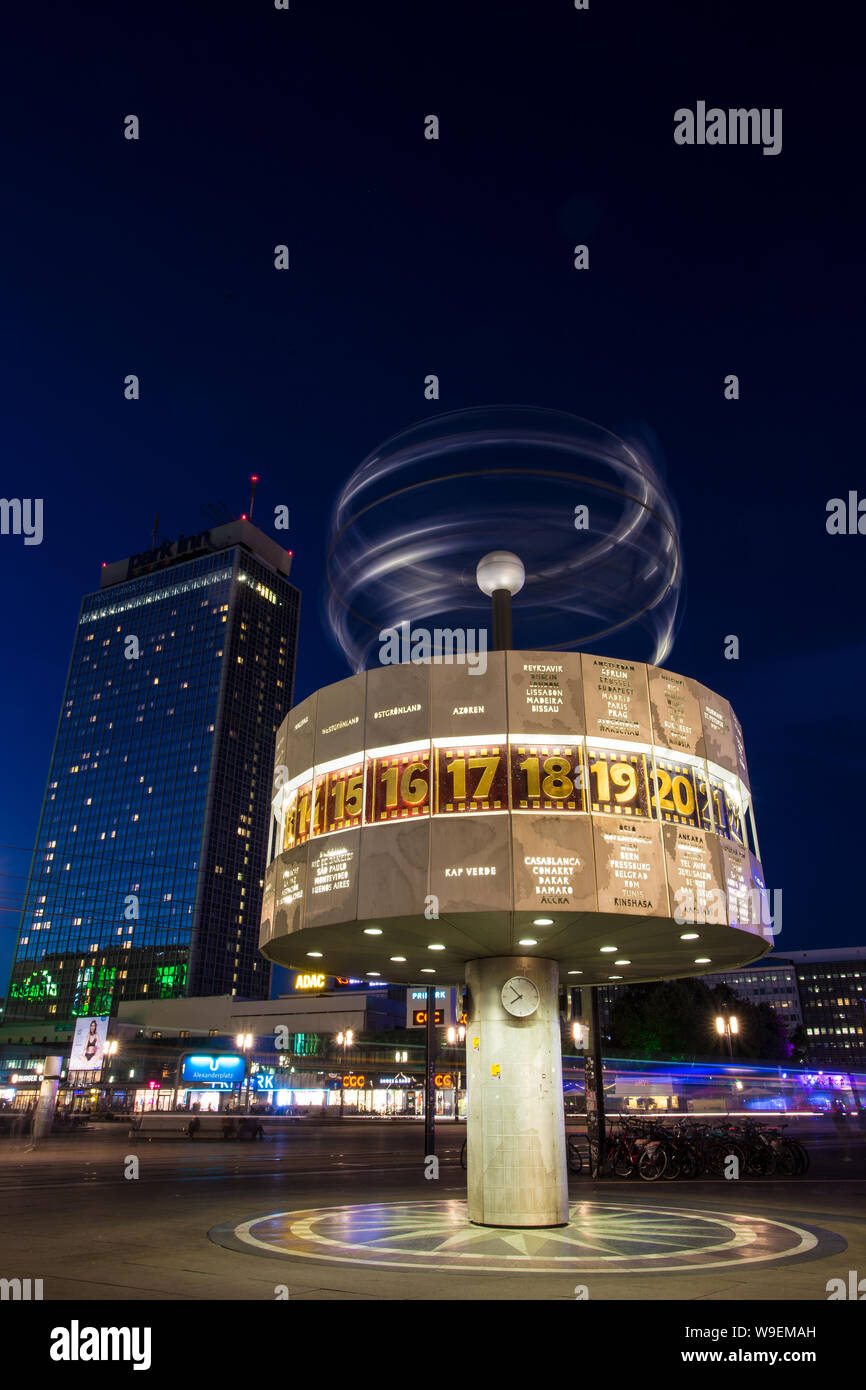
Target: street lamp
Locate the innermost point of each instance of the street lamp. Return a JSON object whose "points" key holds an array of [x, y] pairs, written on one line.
{"points": [[726, 1025], [344, 1040], [244, 1042]]}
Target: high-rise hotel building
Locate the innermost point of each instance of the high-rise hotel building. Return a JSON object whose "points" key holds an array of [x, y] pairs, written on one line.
{"points": [[146, 879]]}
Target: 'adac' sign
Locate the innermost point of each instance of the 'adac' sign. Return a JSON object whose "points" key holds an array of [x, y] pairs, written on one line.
{"points": [[310, 981]]}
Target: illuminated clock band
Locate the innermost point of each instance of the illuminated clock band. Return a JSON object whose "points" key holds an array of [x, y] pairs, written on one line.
{"points": [[593, 794], [512, 775]]}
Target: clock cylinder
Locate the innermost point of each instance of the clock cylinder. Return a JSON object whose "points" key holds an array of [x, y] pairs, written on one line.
{"points": [[516, 1158], [432, 816]]}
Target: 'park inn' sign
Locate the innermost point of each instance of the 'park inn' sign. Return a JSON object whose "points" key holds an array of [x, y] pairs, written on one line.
{"points": [[166, 552]]}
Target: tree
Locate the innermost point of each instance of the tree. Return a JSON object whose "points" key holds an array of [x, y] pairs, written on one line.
{"points": [[663, 1019], [675, 1018], [799, 1044]]}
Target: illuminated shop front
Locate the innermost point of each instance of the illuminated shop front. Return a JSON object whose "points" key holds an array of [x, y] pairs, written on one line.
{"points": [[153, 1097], [395, 1093]]}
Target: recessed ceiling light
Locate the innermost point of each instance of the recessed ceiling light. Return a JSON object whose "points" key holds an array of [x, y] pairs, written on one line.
{"points": [[314, 953], [372, 931], [436, 947], [542, 921], [622, 962], [427, 970], [614, 977], [690, 936], [575, 972], [374, 972], [609, 948], [398, 957], [527, 941], [702, 960]]}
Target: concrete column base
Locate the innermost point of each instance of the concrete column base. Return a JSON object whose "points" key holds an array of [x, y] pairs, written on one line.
{"points": [[49, 1086], [516, 1160]]}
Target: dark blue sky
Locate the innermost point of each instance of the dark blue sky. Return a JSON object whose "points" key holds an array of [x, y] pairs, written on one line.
{"points": [[410, 256]]}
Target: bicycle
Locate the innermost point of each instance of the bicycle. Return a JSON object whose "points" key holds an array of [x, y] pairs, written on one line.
{"points": [[634, 1150]]}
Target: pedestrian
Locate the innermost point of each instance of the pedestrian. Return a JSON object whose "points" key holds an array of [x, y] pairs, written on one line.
{"points": [[193, 1127], [260, 1133], [840, 1122]]}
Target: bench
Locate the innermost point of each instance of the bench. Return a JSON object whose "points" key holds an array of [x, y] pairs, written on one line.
{"points": [[171, 1125]]}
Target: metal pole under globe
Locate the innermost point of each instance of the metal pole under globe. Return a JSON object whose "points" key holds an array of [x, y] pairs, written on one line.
{"points": [[500, 575], [514, 1066], [429, 1083]]}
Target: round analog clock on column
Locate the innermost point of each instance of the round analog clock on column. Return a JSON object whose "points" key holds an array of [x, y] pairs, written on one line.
{"points": [[519, 996]]}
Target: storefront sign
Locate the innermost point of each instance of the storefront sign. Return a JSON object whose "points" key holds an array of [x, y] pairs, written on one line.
{"points": [[349, 982], [211, 1071], [416, 1007]]}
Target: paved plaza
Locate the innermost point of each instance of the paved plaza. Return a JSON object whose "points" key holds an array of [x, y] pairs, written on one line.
{"points": [[345, 1212]]}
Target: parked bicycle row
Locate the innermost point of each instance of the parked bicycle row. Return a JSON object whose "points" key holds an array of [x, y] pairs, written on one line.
{"points": [[652, 1149]]}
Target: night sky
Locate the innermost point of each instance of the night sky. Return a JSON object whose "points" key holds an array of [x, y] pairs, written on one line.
{"points": [[454, 257]]}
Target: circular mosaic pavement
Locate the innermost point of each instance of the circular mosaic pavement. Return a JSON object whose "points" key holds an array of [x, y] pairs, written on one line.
{"points": [[601, 1238]]}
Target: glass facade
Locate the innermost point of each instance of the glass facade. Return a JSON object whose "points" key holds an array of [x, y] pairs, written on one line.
{"points": [[770, 983], [833, 996], [147, 874]]}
